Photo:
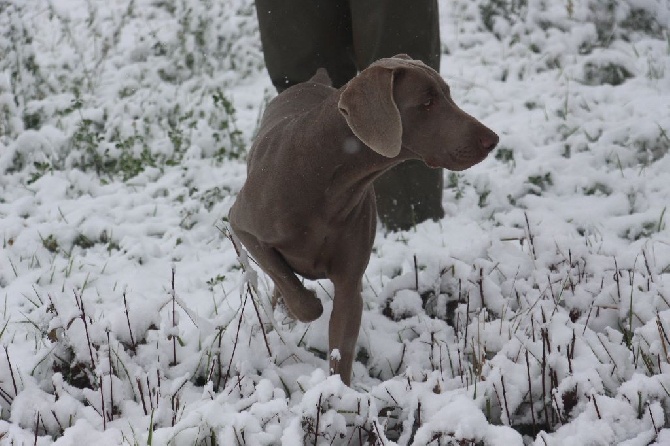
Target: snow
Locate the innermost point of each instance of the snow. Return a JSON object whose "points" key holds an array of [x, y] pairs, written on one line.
{"points": [[536, 312]]}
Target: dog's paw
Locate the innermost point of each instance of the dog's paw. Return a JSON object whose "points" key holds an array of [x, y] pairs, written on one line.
{"points": [[304, 306]]}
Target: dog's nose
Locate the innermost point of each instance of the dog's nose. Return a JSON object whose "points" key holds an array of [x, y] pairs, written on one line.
{"points": [[489, 141]]}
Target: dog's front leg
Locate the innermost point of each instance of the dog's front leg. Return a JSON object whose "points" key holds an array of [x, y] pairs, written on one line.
{"points": [[301, 302], [345, 322]]}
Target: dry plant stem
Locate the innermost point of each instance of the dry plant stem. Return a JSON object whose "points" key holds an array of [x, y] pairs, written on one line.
{"points": [[151, 402], [663, 337], [543, 333], [158, 387], [130, 330], [6, 396], [11, 372], [653, 422], [102, 406], [260, 321], [530, 395], [60, 426], [80, 303], [480, 282], [219, 363], [237, 338], [416, 274], [174, 402], [144, 404], [502, 381], [56, 311], [646, 264], [595, 404], [111, 381], [571, 351], [379, 436], [174, 321], [318, 414], [37, 426], [530, 236], [495, 390], [561, 419], [402, 359], [44, 427], [467, 321], [431, 355]]}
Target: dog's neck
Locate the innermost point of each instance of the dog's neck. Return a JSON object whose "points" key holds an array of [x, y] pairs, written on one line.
{"points": [[353, 165]]}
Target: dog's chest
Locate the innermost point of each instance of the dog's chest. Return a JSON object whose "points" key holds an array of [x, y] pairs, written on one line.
{"points": [[309, 255]]}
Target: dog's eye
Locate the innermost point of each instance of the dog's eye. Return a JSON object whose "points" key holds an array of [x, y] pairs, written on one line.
{"points": [[428, 102]]}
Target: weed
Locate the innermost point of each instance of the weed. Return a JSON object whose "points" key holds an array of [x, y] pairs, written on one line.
{"points": [[609, 73], [510, 10], [540, 182], [454, 182], [50, 243]]}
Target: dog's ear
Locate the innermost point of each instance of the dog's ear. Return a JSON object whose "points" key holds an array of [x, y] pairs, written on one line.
{"points": [[370, 111]]}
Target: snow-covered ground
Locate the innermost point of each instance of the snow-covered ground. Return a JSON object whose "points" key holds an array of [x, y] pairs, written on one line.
{"points": [[536, 312]]}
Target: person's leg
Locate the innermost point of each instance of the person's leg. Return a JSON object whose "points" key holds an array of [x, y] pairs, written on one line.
{"points": [[411, 192], [300, 36], [384, 28]]}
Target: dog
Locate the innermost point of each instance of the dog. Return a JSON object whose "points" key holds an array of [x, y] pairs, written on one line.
{"points": [[308, 205]]}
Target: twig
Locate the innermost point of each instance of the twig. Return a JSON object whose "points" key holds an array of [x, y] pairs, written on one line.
{"points": [[102, 406], [480, 282], [260, 321], [402, 358], [530, 236], [111, 381], [144, 404], [467, 321], [545, 333], [60, 426], [595, 404], [158, 386], [237, 337], [37, 426], [571, 351], [80, 303], [653, 422], [530, 395], [6, 396], [416, 274], [318, 415], [174, 320], [11, 371], [130, 330], [663, 337], [502, 381]]}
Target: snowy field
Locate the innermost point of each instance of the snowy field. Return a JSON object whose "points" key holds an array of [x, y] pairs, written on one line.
{"points": [[536, 312]]}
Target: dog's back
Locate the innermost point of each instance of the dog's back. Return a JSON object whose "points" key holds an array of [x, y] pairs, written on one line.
{"points": [[293, 102]]}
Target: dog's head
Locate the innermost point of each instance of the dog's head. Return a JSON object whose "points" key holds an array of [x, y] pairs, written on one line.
{"points": [[401, 103]]}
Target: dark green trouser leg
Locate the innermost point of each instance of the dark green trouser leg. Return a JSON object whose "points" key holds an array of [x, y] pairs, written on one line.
{"points": [[344, 37], [301, 36]]}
